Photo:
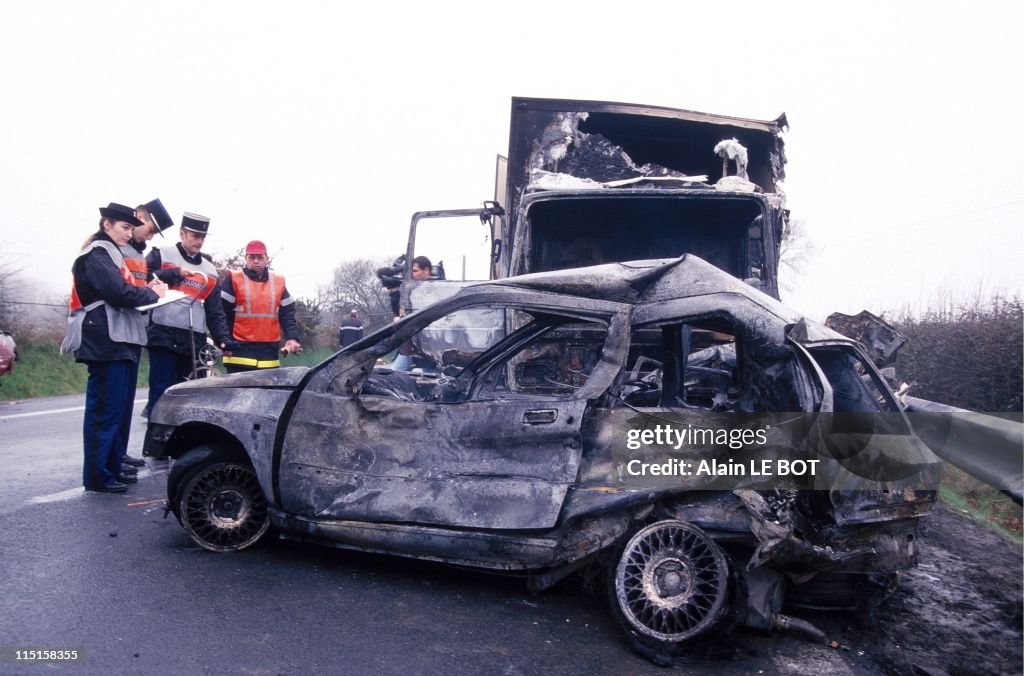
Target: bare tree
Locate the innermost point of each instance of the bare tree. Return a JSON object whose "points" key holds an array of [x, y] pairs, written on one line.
{"points": [[795, 250], [10, 288], [354, 285], [309, 316], [225, 263], [25, 309]]}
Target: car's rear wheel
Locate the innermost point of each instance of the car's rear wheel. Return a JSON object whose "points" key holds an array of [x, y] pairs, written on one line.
{"points": [[669, 585], [222, 506]]}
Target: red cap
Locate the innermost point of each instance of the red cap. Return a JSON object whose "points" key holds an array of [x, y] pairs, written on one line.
{"points": [[255, 247]]}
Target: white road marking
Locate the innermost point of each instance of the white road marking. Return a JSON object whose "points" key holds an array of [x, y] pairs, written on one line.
{"points": [[56, 410], [29, 415], [57, 497], [71, 493]]}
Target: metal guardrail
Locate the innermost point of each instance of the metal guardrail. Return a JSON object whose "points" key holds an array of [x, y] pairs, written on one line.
{"points": [[989, 447]]}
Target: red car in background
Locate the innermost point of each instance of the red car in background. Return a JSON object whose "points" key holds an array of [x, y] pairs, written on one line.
{"points": [[8, 352]]}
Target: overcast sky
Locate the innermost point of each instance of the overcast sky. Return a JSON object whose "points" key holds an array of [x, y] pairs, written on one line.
{"points": [[320, 127]]}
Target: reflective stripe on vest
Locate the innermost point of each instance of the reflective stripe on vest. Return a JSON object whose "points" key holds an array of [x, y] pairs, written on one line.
{"points": [[256, 308], [248, 361]]}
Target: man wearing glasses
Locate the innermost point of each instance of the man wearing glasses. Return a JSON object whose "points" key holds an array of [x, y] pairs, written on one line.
{"points": [[260, 313]]}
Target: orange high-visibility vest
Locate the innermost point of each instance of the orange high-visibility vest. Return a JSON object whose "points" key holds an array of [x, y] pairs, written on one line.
{"points": [[256, 308], [137, 268]]}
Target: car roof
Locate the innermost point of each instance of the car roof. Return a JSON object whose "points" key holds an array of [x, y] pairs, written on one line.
{"points": [[650, 282], [647, 281]]}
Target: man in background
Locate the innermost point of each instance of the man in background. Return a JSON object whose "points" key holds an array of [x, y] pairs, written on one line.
{"points": [[406, 360], [391, 278], [351, 329]]}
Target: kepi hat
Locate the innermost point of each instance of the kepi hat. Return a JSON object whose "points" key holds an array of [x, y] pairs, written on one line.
{"points": [[119, 212], [160, 216], [195, 223]]}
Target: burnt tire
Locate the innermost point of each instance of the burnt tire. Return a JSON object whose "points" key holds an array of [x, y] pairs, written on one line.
{"points": [[669, 585], [186, 465], [222, 506]]}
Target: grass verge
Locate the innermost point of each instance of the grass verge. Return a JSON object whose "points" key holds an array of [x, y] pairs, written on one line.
{"points": [[41, 371], [982, 503]]}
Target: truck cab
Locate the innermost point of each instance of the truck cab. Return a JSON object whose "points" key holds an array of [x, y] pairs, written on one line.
{"points": [[591, 182]]}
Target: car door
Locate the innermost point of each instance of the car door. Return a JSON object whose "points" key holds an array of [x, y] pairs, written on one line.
{"points": [[491, 440]]}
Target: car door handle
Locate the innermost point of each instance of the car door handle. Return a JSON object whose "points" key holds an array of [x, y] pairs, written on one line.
{"points": [[540, 416]]}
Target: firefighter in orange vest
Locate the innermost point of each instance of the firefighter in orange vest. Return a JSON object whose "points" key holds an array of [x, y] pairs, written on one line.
{"points": [[260, 314]]}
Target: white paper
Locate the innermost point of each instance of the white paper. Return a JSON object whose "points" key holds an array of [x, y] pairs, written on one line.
{"points": [[169, 297]]}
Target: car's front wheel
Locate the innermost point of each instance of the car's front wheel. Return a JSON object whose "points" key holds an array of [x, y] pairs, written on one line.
{"points": [[222, 506], [669, 585]]}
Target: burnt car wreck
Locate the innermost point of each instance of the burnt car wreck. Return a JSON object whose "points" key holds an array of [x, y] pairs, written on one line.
{"points": [[520, 449]]}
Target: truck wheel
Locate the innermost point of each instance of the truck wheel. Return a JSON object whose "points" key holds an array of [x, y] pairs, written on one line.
{"points": [[222, 506], [669, 585]]}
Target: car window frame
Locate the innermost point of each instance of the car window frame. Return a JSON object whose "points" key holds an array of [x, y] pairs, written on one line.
{"points": [[344, 372], [498, 355]]}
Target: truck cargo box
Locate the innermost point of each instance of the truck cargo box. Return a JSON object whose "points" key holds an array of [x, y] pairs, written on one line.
{"points": [[595, 182]]}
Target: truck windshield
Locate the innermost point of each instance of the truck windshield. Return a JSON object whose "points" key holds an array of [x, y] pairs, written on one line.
{"points": [[461, 245], [569, 233]]}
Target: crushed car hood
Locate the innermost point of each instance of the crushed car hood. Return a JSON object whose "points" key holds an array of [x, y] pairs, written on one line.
{"points": [[288, 377]]}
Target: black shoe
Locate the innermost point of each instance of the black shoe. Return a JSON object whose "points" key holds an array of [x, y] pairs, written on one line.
{"points": [[145, 412], [131, 459], [127, 478], [112, 487], [128, 469]]}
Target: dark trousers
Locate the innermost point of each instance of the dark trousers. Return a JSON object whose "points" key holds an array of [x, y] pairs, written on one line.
{"points": [[126, 421], [106, 398], [166, 368]]}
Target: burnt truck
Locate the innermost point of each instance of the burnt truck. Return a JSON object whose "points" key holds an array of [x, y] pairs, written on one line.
{"points": [[591, 182]]}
